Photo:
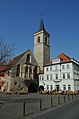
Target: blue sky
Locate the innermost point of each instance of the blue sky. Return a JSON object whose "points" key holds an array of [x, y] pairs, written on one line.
{"points": [[19, 19]]}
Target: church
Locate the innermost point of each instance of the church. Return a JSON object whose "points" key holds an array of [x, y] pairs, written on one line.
{"points": [[37, 71], [26, 67]]}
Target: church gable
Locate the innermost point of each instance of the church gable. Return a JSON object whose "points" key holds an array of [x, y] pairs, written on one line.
{"points": [[25, 57]]}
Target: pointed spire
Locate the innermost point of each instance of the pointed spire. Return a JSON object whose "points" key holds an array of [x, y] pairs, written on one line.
{"points": [[41, 25]]}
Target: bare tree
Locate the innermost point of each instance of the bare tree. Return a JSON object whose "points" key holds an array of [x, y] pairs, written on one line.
{"points": [[6, 51]]}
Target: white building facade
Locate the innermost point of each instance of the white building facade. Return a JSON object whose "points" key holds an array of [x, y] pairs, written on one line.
{"points": [[61, 74]]}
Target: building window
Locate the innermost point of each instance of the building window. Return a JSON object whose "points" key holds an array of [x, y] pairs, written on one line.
{"points": [[56, 76], [51, 77], [38, 39], [18, 70], [46, 40], [47, 69], [30, 69], [50, 68], [63, 67], [69, 87], [63, 76], [47, 77], [56, 67], [51, 87], [64, 87], [68, 75], [39, 77], [28, 58], [26, 71], [67, 66], [47, 87], [42, 78]]}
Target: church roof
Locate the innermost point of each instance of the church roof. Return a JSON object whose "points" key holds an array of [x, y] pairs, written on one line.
{"points": [[17, 58], [41, 25]]}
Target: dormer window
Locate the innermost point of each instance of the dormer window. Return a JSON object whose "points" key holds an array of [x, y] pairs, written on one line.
{"points": [[38, 39]]}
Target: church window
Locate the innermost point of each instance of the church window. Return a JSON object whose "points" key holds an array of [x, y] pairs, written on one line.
{"points": [[38, 39], [26, 71], [46, 40], [28, 58], [35, 72], [18, 70], [30, 69]]}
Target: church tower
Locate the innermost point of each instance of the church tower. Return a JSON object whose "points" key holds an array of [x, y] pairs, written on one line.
{"points": [[42, 46]]}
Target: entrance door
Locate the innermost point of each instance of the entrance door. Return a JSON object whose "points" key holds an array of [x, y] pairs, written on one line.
{"points": [[57, 87]]}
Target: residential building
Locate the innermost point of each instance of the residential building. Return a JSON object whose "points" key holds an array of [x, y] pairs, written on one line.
{"points": [[61, 73]]}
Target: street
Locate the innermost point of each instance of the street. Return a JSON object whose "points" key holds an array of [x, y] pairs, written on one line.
{"points": [[29, 106], [68, 111]]}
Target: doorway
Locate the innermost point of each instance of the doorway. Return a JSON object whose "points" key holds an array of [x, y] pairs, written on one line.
{"points": [[57, 87]]}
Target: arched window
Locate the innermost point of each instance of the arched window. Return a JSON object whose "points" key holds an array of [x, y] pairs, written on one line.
{"points": [[18, 70], [30, 68], [28, 58], [26, 71], [38, 39]]}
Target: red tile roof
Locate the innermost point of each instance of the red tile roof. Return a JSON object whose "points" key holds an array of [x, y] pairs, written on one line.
{"points": [[64, 57]]}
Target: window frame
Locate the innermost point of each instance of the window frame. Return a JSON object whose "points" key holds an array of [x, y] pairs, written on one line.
{"points": [[64, 87], [69, 87]]}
